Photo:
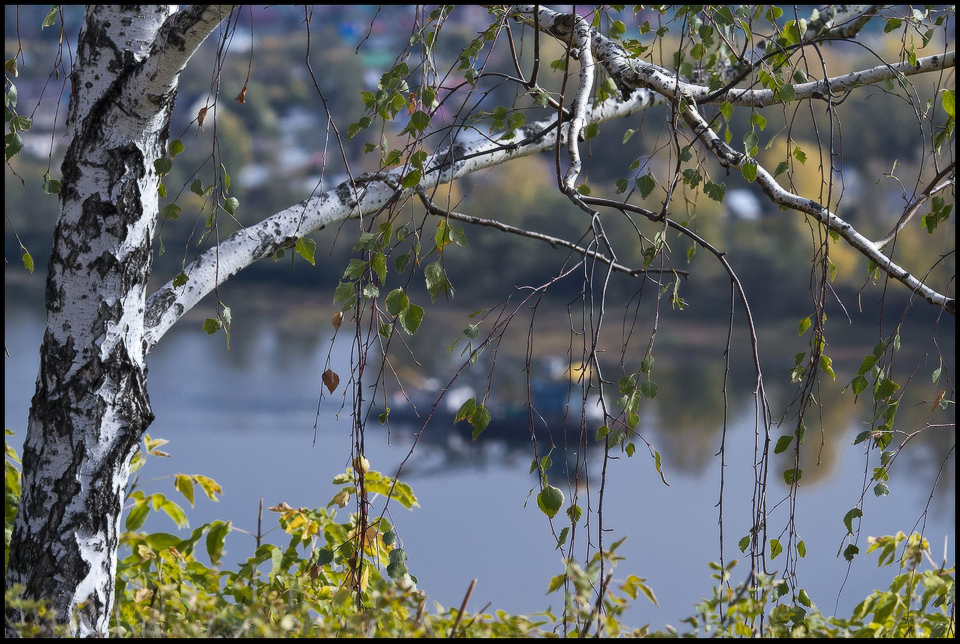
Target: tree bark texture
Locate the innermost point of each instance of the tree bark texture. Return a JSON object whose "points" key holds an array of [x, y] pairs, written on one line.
{"points": [[91, 405]]}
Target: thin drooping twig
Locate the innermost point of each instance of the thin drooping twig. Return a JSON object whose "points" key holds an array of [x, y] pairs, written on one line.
{"points": [[433, 209]]}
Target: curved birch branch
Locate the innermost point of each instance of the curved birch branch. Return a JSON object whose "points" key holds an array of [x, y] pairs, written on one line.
{"points": [[281, 230], [938, 184], [630, 73]]}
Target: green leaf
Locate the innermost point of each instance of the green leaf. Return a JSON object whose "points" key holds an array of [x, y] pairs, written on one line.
{"points": [[550, 500], [480, 419], [397, 301], [171, 211], [418, 158], [51, 18], [884, 389], [749, 171], [881, 489], [466, 410], [400, 263], [51, 187], [411, 179], [850, 552], [935, 376], [727, 110], [781, 168], [792, 476], [175, 512], [216, 537], [867, 364], [775, 548], [826, 364], [649, 389], [562, 539], [786, 93], [849, 517], [344, 294], [28, 264], [804, 325], [410, 318], [948, 104], [231, 204], [211, 325], [420, 120], [159, 541], [617, 29], [197, 187], [355, 268], [210, 487], [646, 184], [802, 549], [175, 147], [184, 485], [306, 247], [137, 516], [555, 583], [744, 543], [436, 280], [715, 191], [13, 144], [163, 165], [782, 444]]}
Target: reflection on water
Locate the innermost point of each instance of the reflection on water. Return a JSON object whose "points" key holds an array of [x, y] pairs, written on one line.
{"points": [[246, 418]]}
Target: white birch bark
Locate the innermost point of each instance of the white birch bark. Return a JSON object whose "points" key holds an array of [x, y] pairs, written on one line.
{"points": [[281, 230], [91, 406]]}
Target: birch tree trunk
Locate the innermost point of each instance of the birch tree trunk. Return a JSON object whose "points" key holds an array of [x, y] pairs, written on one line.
{"points": [[91, 405]]}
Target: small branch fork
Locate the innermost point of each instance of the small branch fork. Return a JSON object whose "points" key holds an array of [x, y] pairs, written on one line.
{"points": [[433, 209]]}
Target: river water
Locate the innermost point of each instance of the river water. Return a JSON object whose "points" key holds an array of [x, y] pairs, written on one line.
{"points": [[246, 416]]}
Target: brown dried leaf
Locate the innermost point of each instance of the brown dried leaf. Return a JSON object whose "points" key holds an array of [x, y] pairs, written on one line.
{"points": [[202, 114], [936, 403], [142, 594], [282, 507], [242, 96], [331, 379], [412, 106], [337, 319]]}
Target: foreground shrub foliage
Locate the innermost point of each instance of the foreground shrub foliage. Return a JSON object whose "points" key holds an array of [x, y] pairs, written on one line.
{"points": [[332, 579]]}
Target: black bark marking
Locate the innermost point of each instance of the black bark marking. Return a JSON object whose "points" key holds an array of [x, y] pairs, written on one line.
{"points": [[162, 302]]}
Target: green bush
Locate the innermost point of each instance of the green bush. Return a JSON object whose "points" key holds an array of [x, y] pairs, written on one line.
{"points": [[349, 578]]}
